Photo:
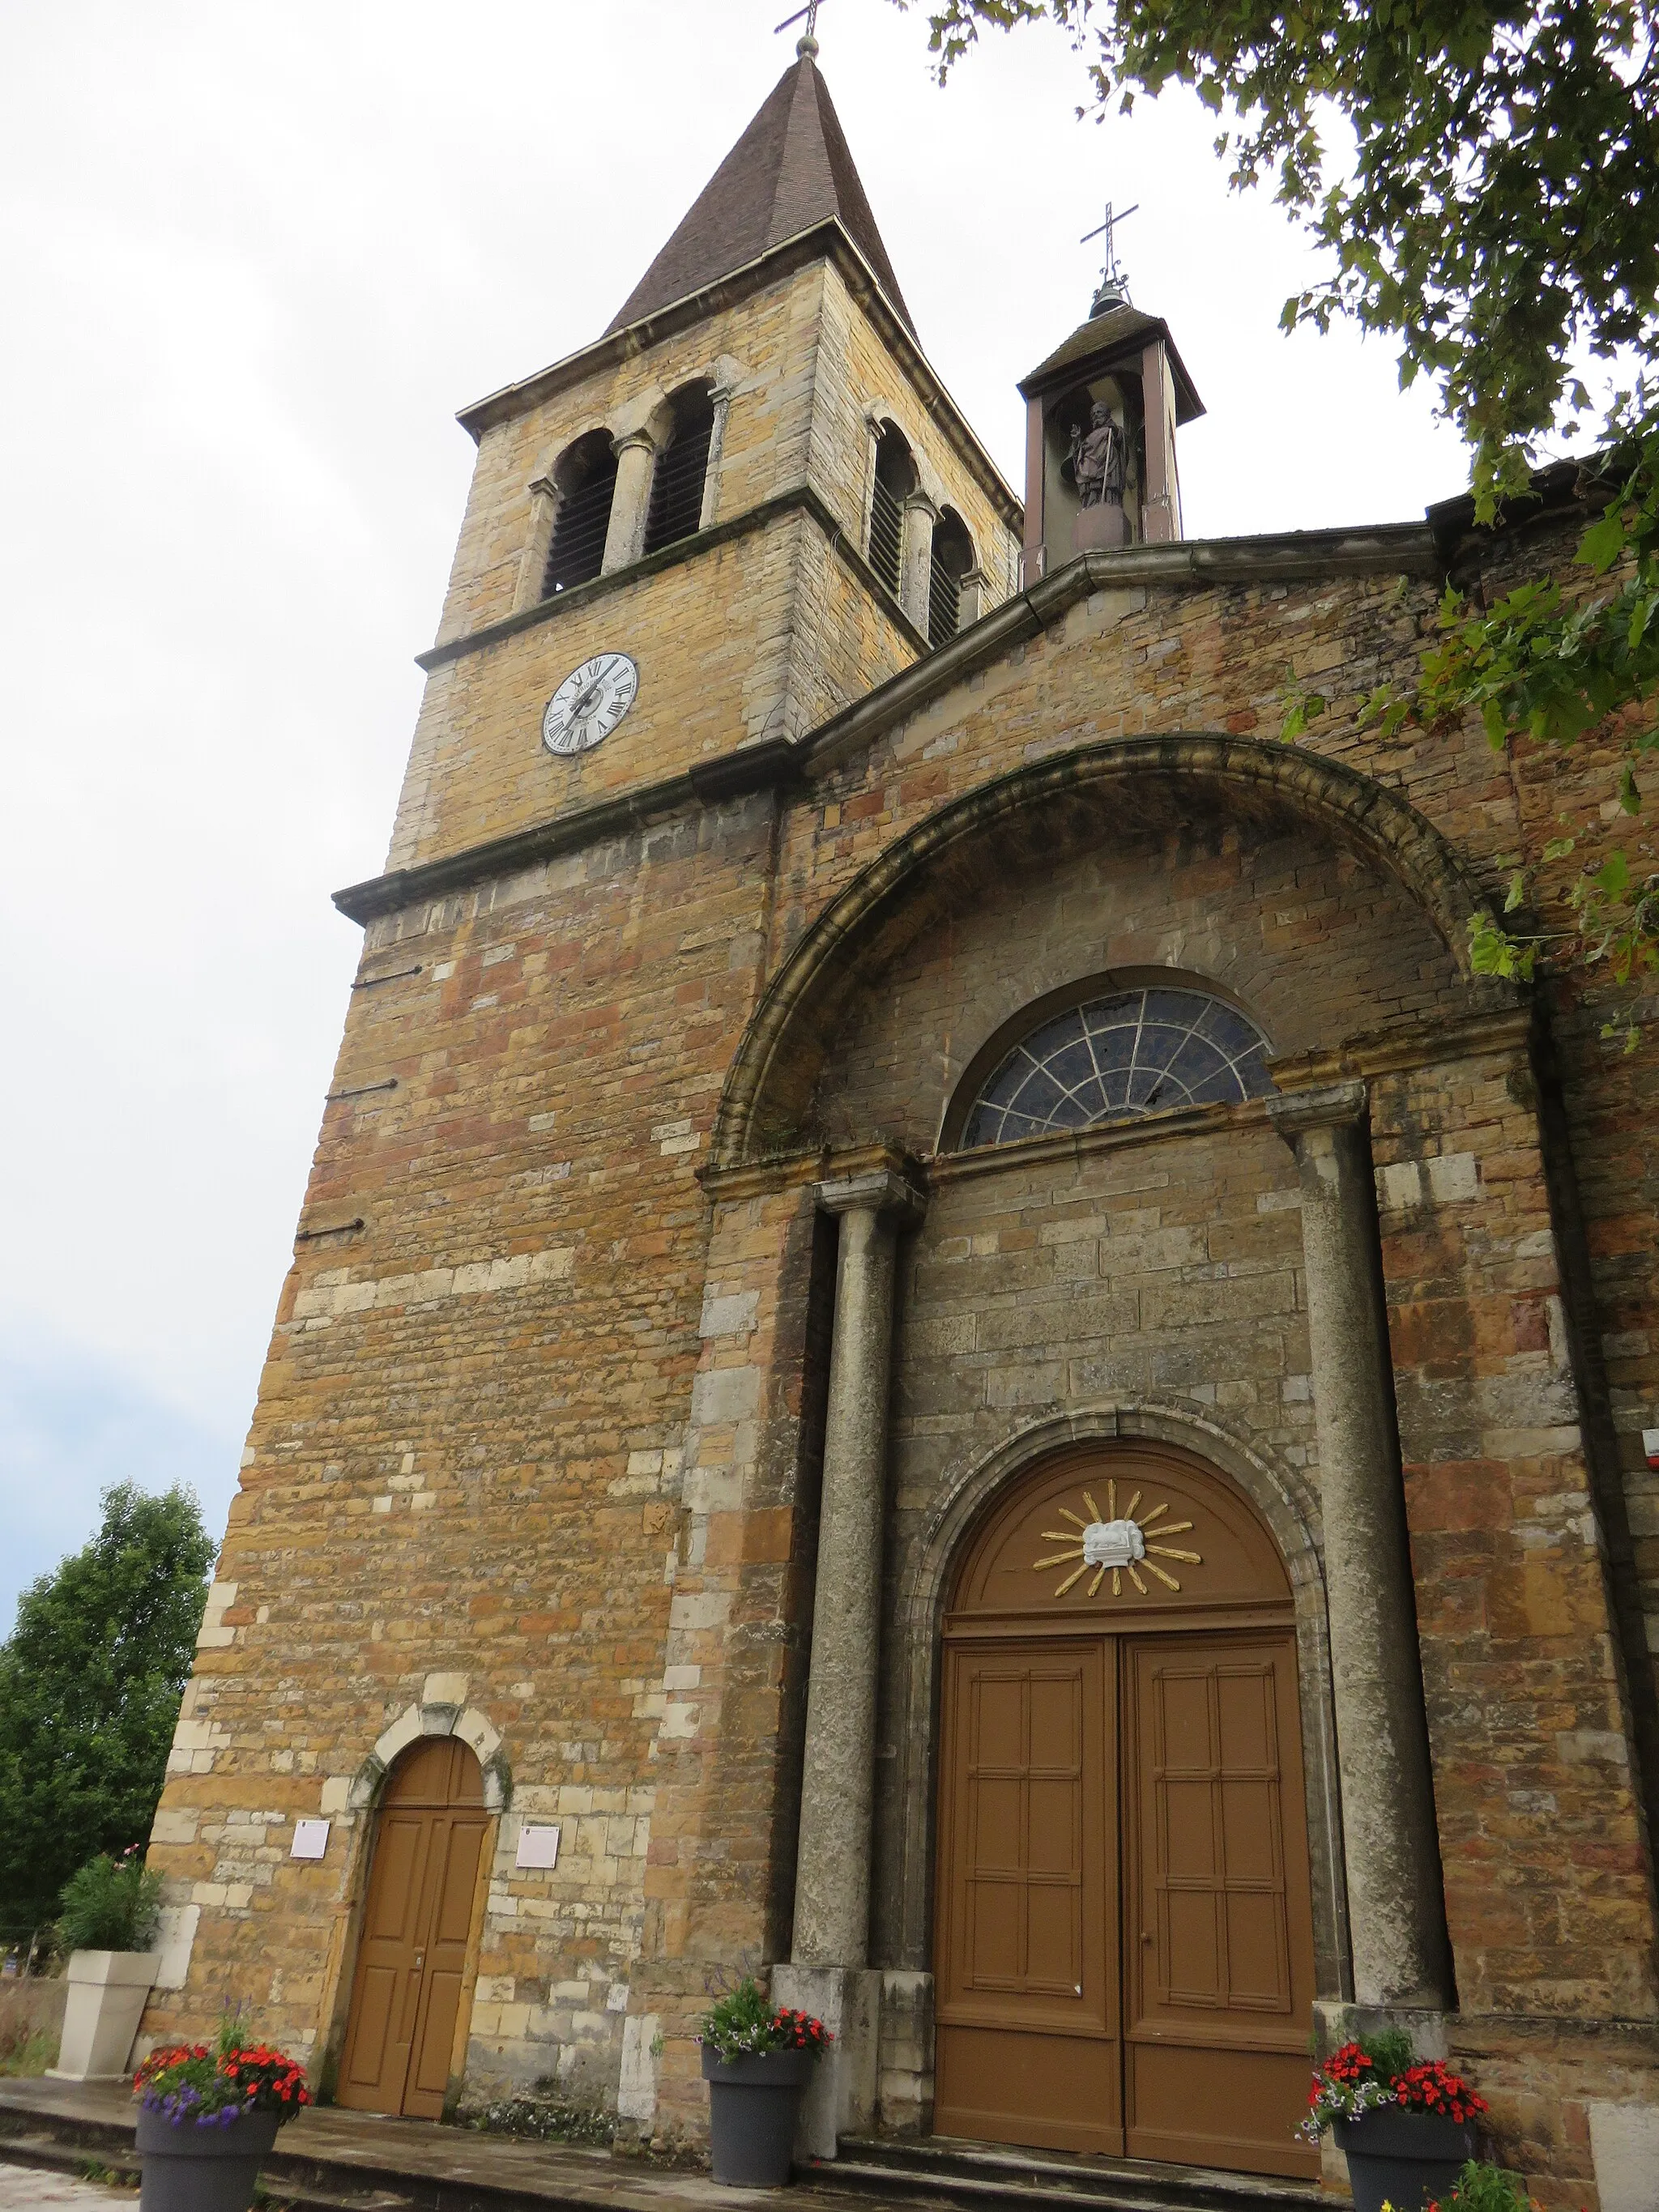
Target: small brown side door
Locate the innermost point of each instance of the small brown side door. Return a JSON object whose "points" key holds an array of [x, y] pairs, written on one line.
{"points": [[411, 1958], [1028, 2046]]}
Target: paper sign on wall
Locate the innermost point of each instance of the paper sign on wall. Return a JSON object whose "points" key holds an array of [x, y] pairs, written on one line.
{"points": [[538, 1847], [310, 1839], [1650, 1447]]}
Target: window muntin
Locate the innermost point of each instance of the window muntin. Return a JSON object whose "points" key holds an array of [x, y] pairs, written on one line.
{"points": [[1117, 1058]]}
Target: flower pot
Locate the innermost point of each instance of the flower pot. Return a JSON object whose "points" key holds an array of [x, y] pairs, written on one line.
{"points": [[1405, 2158], [107, 1990], [753, 2105], [190, 2167]]}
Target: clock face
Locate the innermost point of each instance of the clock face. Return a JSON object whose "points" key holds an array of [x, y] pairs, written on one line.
{"points": [[590, 702]]}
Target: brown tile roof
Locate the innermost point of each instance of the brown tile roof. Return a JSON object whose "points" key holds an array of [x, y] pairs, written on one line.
{"points": [[1120, 331], [790, 169]]}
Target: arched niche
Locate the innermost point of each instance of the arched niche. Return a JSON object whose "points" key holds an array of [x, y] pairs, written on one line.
{"points": [[1091, 801]]}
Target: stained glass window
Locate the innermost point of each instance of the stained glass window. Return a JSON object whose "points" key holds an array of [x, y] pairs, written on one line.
{"points": [[1114, 1059]]}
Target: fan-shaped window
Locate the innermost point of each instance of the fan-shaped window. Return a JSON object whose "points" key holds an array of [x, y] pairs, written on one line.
{"points": [[1116, 1058], [952, 558], [587, 478], [677, 481], [895, 479]]}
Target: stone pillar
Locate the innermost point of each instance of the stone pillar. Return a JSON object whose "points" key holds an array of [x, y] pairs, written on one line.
{"points": [[635, 458], [532, 562], [828, 1973], [916, 557], [972, 598], [708, 515], [1396, 1907]]}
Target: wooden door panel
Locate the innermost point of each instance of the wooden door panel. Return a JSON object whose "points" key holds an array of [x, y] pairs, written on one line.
{"points": [[375, 2065], [1027, 2048], [457, 1842], [1217, 1926], [410, 1981]]}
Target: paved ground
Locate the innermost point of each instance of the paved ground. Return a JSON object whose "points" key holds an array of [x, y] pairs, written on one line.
{"points": [[21, 2188]]}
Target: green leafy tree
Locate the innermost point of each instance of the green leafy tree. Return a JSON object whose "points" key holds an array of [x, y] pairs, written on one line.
{"points": [[89, 1688], [1494, 215]]}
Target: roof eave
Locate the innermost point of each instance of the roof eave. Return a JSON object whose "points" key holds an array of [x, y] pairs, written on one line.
{"points": [[1045, 377], [828, 239]]}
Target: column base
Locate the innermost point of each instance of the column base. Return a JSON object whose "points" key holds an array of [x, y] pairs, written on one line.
{"points": [[1336, 2021], [841, 2100]]}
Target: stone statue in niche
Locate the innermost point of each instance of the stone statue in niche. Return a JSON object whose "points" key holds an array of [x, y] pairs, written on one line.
{"points": [[1096, 459]]}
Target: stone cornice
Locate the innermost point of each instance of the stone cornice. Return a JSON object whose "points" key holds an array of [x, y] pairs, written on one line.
{"points": [[1427, 1043], [800, 499], [1200, 564], [759, 767], [824, 241]]}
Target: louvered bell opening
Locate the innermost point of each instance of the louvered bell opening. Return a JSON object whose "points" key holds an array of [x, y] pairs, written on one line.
{"points": [[676, 482], [886, 529], [944, 603], [579, 531]]}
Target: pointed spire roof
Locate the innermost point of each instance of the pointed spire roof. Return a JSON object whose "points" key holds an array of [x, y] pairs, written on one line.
{"points": [[791, 168]]}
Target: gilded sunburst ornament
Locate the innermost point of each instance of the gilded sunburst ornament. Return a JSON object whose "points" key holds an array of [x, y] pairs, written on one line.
{"points": [[1117, 1544]]}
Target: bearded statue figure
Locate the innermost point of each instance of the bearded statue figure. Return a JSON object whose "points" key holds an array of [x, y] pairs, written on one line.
{"points": [[1096, 459]]}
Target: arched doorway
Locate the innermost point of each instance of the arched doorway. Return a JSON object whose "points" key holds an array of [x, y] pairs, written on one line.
{"points": [[412, 1959], [1124, 1938]]}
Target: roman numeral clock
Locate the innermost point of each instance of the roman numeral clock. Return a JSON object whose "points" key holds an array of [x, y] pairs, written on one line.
{"points": [[589, 703]]}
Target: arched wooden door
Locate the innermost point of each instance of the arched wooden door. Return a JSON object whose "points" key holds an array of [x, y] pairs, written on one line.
{"points": [[411, 1961], [1124, 1943]]}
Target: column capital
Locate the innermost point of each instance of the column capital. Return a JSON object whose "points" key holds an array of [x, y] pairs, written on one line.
{"points": [[877, 1190], [634, 441], [1320, 1106], [543, 487]]}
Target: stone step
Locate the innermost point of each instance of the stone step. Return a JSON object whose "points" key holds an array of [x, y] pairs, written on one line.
{"points": [[49, 2154], [999, 2178]]}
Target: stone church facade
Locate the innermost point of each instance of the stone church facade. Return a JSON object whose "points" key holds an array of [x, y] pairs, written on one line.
{"points": [[935, 1317]]}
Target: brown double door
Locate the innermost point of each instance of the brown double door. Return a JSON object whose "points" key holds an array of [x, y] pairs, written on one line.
{"points": [[1124, 1943], [412, 1957]]}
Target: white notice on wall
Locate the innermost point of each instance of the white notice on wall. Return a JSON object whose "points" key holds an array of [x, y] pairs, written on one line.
{"points": [[538, 1847], [310, 1839]]}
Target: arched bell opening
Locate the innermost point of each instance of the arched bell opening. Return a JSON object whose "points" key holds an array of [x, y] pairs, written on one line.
{"points": [[952, 559], [417, 1939], [584, 477], [680, 474], [894, 480]]}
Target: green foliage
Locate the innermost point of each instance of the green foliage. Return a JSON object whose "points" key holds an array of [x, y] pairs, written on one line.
{"points": [[1389, 2050], [1498, 211], [740, 2023], [1496, 220], [110, 1904], [1483, 2187], [26, 2053], [89, 1688]]}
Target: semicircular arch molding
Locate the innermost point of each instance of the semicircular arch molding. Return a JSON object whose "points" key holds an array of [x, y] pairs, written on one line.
{"points": [[1281, 1496], [768, 1088], [465, 1722]]}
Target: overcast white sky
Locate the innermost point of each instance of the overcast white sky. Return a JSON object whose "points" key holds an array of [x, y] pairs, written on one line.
{"points": [[252, 260]]}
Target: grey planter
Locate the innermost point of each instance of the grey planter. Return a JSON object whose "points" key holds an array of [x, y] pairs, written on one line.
{"points": [[753, 2105], [194, 2169], [1406, 2159]]}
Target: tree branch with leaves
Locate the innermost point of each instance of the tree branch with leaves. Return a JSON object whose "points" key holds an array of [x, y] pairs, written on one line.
{"points": [[1498, 222]]}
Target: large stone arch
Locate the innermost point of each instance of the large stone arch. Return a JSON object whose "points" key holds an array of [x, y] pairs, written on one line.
{"points": [[772, 1075], [1285, 1500]]}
